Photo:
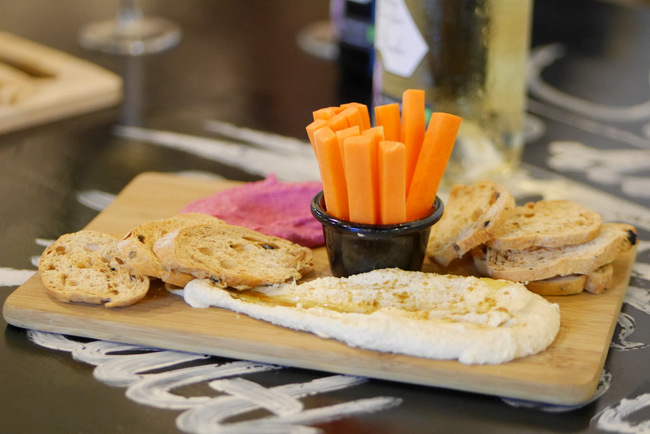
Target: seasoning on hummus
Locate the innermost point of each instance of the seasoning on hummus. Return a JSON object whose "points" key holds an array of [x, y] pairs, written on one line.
{"points": [[474, 320], [270, 207]]}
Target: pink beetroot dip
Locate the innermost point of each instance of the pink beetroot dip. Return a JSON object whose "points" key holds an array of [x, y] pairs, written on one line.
{"points": [[271, 207]]}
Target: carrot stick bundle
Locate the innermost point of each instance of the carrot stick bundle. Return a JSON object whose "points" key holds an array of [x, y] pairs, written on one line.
{"points": [[386, 174], [436, 149]]}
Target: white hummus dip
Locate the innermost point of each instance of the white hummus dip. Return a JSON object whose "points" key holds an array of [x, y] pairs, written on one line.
{"points": [[473, 320]]}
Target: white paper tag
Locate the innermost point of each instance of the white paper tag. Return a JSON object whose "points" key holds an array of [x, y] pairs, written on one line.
{"points": [[398, 38]]}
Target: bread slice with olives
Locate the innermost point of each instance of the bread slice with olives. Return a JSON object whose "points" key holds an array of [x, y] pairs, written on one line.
{"points": [[86, 266], [137, 245], [232, 256]]}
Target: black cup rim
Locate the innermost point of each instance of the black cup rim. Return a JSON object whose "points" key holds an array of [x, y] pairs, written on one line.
{"points": [[318, 211]]}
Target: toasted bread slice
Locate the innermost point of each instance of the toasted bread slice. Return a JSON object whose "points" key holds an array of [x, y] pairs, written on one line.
{"points": [[539, 263], [559, 285], [548, 223], [85, 266], [473, 215], [232, 256], [595, 282], [137, 245]]}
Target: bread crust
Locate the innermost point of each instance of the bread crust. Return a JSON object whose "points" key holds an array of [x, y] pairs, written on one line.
{"points": [[473, 215], [137, 246], [86, 266], [558, 285], [600, 280], [233, 256], [548, 223], [595, 282]]}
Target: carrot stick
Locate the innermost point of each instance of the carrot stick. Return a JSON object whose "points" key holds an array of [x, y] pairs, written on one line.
{"points": [[436, 149], [341, 135], [312, 127], [338, 122], [388, 116], [360, 162], [413, 128], [392, 182], [353, 115], [331, 172], [363, 111], [377, 133], [325, 113]]}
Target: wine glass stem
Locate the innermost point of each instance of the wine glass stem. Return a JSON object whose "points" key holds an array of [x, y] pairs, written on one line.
{"points": [[128, 14]]}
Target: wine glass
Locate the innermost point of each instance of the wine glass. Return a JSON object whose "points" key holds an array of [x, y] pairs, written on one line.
{"points": [[130, 33]]}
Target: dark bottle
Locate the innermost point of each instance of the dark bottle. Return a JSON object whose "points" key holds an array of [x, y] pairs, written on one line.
{"points": [[354, 27]]}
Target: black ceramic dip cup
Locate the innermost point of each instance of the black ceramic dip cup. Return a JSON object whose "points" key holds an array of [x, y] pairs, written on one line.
{"points": [[354, 248]]}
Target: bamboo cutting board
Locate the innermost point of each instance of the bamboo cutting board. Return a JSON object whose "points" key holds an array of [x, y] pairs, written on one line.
{"points": [[39, 84], [566, 373]]}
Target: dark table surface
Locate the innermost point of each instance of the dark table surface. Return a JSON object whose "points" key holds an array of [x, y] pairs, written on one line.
{"points": [[239, 62]]}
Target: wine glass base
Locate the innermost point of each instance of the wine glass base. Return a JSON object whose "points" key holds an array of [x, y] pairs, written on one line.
{"points": [[149, 35], [318, 39]]}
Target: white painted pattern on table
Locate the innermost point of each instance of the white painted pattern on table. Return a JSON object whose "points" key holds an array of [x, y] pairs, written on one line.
{"points": [[140, 370]]}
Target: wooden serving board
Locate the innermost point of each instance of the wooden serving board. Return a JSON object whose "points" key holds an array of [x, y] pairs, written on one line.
{"points": [[39, 84], [566, 373]]}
